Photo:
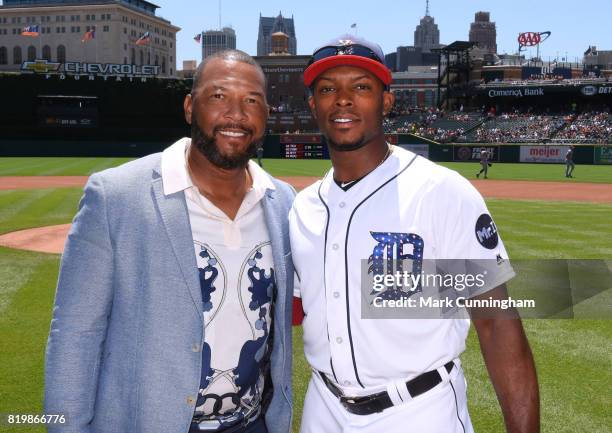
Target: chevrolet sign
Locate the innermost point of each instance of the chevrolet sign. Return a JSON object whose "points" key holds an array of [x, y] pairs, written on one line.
{"points": [[41, 66]]}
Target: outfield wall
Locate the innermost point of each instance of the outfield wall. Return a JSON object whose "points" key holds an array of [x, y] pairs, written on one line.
{"points": [[313, 146]]}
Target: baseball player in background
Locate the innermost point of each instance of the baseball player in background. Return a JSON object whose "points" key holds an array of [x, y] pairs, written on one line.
{"points": [[484, 162], [378, 200], [569, 161]]}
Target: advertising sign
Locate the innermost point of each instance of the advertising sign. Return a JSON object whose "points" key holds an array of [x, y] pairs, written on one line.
{"points": [[603, 155], [525, 91], [531, 39], [549, 154], [90, 70], [472, 153]]}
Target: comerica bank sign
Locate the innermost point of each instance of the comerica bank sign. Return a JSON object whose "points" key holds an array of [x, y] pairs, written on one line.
{"points": [[517, 93], [91, 71], [591, 90]]}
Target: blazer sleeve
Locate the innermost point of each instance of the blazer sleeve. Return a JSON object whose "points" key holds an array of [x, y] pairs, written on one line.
{"points": [[80, 315]]}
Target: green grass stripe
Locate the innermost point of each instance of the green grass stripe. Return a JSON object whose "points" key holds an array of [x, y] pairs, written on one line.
{"points": [[56, 166], [13, 202], [24, 327], [538, 172], [21, 209], [72, 166], [13, 273], [573, 383], [68, 166], [539, 229]]}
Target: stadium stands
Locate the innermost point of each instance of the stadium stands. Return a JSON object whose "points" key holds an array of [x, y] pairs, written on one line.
{"points": [[590, 127], [509, 127]]}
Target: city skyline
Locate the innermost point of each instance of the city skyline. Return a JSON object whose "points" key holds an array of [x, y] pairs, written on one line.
{"points": [[393, 27]]}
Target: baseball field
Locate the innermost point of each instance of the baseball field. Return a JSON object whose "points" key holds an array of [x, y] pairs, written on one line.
{"points": [[539, 213]]}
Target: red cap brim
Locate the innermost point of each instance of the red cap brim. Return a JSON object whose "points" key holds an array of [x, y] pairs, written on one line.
{"points": [[317, 68]]}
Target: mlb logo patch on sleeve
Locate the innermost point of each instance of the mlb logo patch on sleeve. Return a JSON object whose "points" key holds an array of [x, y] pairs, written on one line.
{"points": [[486, 231]]}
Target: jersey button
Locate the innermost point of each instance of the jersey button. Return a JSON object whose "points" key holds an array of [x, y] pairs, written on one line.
{"points": [[339, 340], [336, 294], [342, 204], [347, 383], [335, 246]]}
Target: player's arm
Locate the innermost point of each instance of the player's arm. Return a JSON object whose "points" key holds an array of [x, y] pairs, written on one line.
{"points": [[509, 362], [80, 315]]}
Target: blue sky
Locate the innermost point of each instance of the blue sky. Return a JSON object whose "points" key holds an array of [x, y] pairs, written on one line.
{"points": [[575, 24]]}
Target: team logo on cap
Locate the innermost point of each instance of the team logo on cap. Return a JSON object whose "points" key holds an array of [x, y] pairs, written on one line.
{"points": [[345, 42]]}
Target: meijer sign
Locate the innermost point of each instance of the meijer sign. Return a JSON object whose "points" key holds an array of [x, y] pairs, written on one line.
{"points": [[543, 153]]}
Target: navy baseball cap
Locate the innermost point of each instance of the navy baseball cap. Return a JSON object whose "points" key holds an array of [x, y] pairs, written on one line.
{"points": [[348, 50]]}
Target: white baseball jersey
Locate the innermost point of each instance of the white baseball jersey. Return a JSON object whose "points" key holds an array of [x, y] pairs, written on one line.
{"points": [[408, 205]]}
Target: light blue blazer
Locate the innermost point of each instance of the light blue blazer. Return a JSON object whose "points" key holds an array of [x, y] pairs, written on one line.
{"points": [[124, 350]]}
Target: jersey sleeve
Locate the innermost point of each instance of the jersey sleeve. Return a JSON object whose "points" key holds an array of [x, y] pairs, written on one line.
{"points": [[467, 236]]}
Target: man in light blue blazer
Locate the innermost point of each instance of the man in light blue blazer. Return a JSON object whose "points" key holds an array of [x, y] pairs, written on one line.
{"points": [[173, 306]]}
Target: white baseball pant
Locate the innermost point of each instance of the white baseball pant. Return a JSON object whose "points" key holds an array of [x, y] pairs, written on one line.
{"points": [[443, 409]]}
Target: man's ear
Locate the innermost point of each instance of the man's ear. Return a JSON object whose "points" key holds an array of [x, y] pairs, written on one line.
{"points": [[187, 106], [388, 101], [311, 104]]}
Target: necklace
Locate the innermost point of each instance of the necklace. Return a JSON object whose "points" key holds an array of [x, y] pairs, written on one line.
{"points": [[389, 151]]}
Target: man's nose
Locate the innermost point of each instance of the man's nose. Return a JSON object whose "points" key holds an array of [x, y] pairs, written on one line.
{"points": [[236, 110], [344, 98]]}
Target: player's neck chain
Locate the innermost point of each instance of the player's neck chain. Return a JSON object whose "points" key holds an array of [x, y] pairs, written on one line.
{"points": [[346, 185]]}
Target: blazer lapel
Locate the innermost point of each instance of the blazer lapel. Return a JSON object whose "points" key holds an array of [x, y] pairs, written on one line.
{"points": [[275, 229], [173, 211]]}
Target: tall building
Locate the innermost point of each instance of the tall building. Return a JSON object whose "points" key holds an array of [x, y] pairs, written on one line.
{"points": [[484, 33], [189, 69], [214, 41], [427, 35], [595, 59], [62, 25], [413, 56], [286, 93], [271, 25]]}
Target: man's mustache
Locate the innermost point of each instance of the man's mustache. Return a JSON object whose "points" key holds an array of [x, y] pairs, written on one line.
{"points": [[233, 126]]}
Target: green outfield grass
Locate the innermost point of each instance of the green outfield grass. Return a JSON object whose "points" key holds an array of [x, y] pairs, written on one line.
{"points": [[51, 166], [287, 167], [573, 356]]}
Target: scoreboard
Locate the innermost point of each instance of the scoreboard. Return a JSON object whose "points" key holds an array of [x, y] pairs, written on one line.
{"points": [[304, 151], [303, 146]]}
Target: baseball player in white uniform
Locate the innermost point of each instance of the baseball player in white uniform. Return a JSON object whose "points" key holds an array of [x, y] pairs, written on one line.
{"points": [[380, 206]]}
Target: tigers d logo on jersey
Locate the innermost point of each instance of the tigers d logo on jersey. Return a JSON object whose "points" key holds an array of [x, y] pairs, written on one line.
{"points": [[390, 252]]}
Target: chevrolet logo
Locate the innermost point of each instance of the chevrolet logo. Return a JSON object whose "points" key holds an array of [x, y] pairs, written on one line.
{"points": [[40, 66]]}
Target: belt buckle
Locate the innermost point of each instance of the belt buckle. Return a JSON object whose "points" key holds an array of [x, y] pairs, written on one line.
{"points": [[248, 418]]}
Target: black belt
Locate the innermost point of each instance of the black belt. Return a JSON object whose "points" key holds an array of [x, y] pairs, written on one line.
{"points": [[369, 404]]}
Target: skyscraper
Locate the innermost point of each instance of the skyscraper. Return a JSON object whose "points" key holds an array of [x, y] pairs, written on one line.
{"points": [[427, 35], [214, 41], [270, 25], [484, 33]]}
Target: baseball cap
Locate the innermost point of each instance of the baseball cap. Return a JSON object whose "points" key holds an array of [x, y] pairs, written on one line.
{"points": [[348, 50]]}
